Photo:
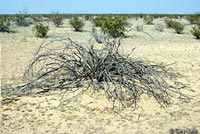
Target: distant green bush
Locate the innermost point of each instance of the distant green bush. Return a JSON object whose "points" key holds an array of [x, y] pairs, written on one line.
{"points": [[169, 23], [76, 23], [196, 31], [40, 30], [57, 19], [4, 24], [177, 26], [98, 21], [114, 26], [194, 18], [88, 17], [148, 20]]}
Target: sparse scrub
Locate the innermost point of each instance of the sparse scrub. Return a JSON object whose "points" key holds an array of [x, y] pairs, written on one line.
{"points": [[196, 31], [98, 21], [70, 66], [177, 26], [40, 30], [4, 24], [22, 19], [88, 17], [98, 35], [77, 23], [148, 20], [57, 19], [169, 23], [37, 18], [114, 26], [194, 18]]}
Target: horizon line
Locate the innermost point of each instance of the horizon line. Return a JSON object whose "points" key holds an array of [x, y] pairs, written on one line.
{"points": [[104, 13]]}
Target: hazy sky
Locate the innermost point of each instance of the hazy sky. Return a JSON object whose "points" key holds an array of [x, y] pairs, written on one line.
{"points": [[100, 6]]}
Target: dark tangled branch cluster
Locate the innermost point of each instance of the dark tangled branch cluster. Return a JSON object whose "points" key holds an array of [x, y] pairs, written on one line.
{"points": [[64, 64]]}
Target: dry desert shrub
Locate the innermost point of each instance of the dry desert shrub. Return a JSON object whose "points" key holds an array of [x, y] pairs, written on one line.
{"points": [[57, 18], [62, 64], [22, 18]]}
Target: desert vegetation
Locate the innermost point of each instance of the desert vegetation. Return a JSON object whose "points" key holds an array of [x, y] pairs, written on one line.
{"points": [[112, 69], [22, 18], [57, 18], [194, 18], [122, 78], [114, 26], [148, 20], [4, 24], [177, 26], [196, 31], [119, 72], [98, 35], [77, 23], [40, 30]]}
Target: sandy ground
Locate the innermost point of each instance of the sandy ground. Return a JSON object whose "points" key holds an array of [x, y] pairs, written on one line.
{"points": [[87, 114]]}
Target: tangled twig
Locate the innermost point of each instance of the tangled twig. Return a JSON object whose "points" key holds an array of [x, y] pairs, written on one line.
{"points": [[66, 65]]}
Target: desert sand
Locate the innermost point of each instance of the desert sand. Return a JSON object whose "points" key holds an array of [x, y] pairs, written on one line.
{"points": [[86, 114]]}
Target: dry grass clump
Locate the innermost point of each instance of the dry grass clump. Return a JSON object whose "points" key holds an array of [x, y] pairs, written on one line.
{"points": [[62, 64]]}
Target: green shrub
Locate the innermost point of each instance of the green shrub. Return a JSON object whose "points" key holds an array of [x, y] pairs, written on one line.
{"points": [[148, 20], [87, 17], [76, 23], [98, 21], [114, 26], [40, 30], [177, 26], [57, 19], [169, 23], [194, 18], [196, 31], [4, 24]]}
